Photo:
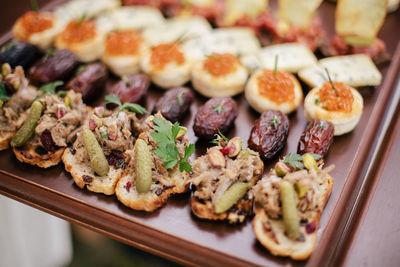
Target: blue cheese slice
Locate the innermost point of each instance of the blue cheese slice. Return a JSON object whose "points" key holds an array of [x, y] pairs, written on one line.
{"points": [[354, 70], [237, 40], [292, 57], [184, 28]]}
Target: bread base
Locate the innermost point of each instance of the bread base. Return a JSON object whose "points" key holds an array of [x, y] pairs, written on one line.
{"points": [[28, 154]]}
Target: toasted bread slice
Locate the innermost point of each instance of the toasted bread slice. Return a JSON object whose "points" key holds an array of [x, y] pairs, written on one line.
{"points": [[164, 181], [84, 175], [271, 231], [5, 139], [202, 206], [29, 154]]}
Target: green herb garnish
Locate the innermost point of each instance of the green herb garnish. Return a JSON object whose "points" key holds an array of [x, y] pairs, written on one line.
{"points": [[276, 64], [213, 57], [8, 46], [82, 18], [114, 99], [165, 135], [317, 101], [220, 107], [80, 69], [128, 82], [104, 135], [48, 89], [330, 80], [275, 121], [34, 6], [62, 93], [321, 126], [295, 161], [49, 53], [3, 92], [179, 98], [216, 141]]}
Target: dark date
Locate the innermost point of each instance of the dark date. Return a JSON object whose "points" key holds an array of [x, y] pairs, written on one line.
{"points": [[90, 81], [269, 134], [174, 104], [18, 54], [47, 142], [316, 138], [218, 113], [132, 88], [60, 65]]}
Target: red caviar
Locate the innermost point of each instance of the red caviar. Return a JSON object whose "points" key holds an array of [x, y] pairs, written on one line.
{"points": [[340, 99], [278, 87], [78, 31], [163, 54], [123, 42], [34, 22], [220, 64]]}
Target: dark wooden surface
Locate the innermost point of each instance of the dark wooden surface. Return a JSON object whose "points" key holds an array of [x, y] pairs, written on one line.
{"points": [[174, 233]]}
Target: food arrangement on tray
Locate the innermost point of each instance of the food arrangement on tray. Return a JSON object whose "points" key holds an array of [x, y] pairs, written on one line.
{"points": [[120, 148]]}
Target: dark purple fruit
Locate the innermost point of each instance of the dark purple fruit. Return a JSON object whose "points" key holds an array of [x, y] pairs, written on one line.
{"points": [[47, 142], [60, 65], [90, 81], [174, 104], [132, 88], [18, 54], [269, 133], [217, 114], [316, 138]]}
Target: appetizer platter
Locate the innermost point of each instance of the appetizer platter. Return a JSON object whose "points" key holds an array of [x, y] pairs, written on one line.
{"points": [[236, 137]]}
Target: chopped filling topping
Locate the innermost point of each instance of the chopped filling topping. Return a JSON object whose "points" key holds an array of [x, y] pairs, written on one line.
{"points": [[34, 22], [163, 54], [78, 31], [221, 64], [123, 42], [338, 98], [277, 87]]}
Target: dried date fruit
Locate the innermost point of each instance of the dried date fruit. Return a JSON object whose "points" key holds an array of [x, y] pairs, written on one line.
{"points": [[174, 104], [18, 54], [132, 88], [316, 138], [217, 114], [90, 81], [269, 133], [47, 142], [58, 66]]}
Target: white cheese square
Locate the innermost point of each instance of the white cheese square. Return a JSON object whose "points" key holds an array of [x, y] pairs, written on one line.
{"points": [[354, 70]]}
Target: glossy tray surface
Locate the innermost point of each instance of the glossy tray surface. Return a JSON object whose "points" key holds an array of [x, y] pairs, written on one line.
{"points": [[173, 231]]}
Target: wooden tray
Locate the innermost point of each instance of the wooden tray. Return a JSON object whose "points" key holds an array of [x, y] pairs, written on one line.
{"points": [[173, 232]]}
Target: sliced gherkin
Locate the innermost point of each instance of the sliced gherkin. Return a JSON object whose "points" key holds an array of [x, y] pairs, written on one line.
{"points": [[290, 217], [231, 196], [97, 159], [28, 128], [143, 166]]}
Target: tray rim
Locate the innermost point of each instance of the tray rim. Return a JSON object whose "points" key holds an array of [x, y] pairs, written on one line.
{"points": [[357, 174]]}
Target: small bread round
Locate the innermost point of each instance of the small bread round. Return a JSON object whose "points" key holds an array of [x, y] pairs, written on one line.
{"points": [[43, 39], [226, 85], [87, 50], [5, 139], [83, 175], [262, 103], [342, 121], [28, 154], [171, 75]]}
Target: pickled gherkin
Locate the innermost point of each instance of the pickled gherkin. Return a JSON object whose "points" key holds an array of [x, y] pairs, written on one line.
{"points": [[28, 128], [231, 196], [97, 159], [290, 217], [143, 166]]}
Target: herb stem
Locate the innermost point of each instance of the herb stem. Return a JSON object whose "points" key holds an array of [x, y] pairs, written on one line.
{"points": [[276, 64], [330, 80], [34, 6]]}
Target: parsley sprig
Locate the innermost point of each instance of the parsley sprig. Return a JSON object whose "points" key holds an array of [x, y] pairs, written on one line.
{"points": [[3, 92], [165, 135], [50, 89], [295, 161], [114, 99]]}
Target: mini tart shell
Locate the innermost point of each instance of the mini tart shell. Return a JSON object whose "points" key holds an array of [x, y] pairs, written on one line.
{"points": [[261, 103], [171, 75], [86, 51], [342, 121], [225, 85], [123, 65], [43, 39]]}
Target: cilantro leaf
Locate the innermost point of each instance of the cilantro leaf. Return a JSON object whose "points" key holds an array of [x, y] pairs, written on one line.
{"points": [[294, 160], [3, 92], [165, 135], [114, 99]]}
